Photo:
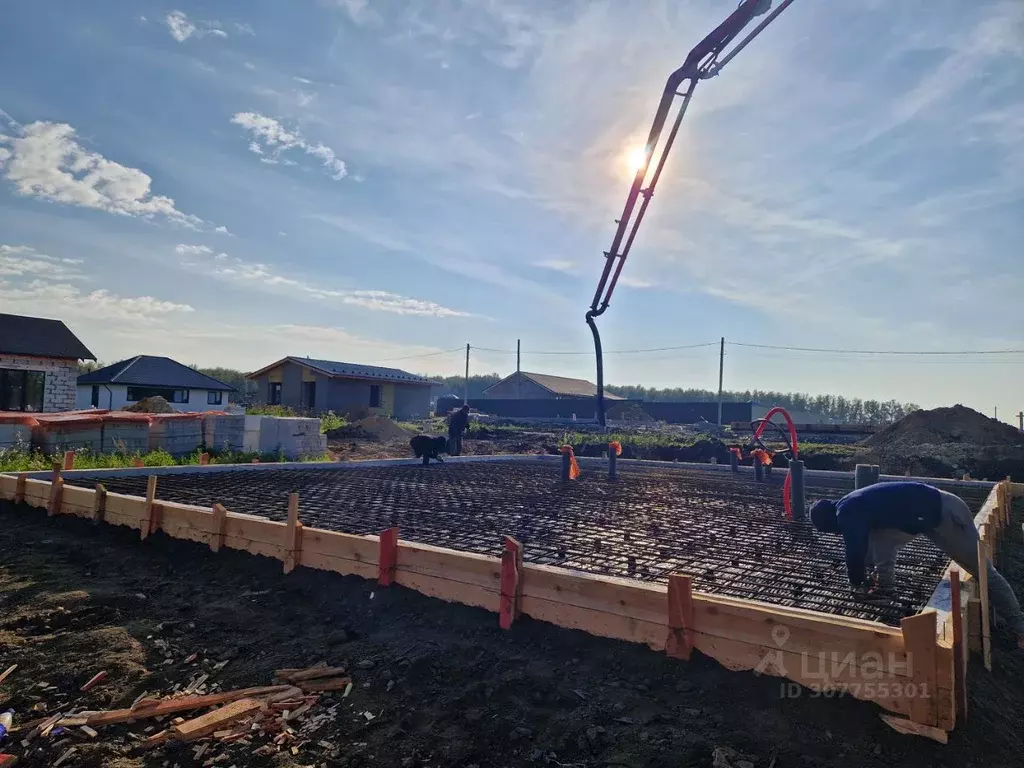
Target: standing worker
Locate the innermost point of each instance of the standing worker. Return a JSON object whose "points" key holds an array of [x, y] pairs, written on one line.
{"points": [[458, 423], [880, 519]]}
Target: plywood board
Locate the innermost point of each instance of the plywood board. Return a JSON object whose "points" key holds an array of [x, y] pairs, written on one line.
{"points": [[449, 589], [363, 549], [338, 565], [461, 567]]}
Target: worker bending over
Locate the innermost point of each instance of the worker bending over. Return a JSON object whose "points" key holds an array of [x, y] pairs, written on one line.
{"points": [[880, 519], [458, 423]]}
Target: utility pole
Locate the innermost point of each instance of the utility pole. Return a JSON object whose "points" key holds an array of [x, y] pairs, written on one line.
{"points": [[1020, 421], [995, 415], [721, 371], [465, 400], [519, 378]]}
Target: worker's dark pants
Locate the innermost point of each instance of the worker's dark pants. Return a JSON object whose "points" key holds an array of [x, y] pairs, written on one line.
{"points": [[957, 537], [454, 443]]}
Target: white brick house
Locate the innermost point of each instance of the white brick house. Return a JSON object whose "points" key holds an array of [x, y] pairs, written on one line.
{"points": [[38, 364]]}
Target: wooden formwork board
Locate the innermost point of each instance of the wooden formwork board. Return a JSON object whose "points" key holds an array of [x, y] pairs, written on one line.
{"points": [[907, 671]]}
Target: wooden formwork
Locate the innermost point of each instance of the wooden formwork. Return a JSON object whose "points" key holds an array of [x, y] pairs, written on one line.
{"points": [[910, 671]]}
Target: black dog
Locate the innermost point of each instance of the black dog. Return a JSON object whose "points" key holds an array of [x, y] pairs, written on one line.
{"points": [[429, 447]]}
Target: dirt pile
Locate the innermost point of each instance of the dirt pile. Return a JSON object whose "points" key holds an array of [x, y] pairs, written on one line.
{"points": [[379, 429], [628, 412], [946, 425], [154, 404]]}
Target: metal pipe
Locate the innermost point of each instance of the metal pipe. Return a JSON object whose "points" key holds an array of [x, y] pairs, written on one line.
{"points": [[566, 467], [758, 470], [743, 43], [612, 459], [797, 490]]}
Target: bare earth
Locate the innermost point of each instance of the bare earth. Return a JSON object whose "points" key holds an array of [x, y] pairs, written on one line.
{"points": [[445, 686]]}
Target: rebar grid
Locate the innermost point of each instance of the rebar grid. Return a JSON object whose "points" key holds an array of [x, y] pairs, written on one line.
{"points": [[726, 531]]}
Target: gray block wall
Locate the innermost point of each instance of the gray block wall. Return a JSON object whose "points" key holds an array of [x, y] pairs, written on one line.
{"points": [[60, 383]]}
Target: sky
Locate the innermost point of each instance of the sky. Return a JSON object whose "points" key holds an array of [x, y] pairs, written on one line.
{"points": [[385, 182]]}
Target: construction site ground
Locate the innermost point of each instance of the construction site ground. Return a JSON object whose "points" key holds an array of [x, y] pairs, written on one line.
{"points": [[441, 683]]}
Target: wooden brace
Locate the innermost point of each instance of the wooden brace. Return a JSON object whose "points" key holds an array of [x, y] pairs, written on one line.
{"points": [[919, 643], [146, 524], [99, 504], [387, 560], [56, 488], [19, 488], [293, 535], [220, 524], [511, 582], [680, 617]]}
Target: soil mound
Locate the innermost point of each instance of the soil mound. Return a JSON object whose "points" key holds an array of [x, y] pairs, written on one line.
{"points": [[946, 425], [154, 404], [628, 412], [377, 428]]}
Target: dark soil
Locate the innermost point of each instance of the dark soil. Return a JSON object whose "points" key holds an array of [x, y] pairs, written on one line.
{"points": [[946, 425], [448, 687]]}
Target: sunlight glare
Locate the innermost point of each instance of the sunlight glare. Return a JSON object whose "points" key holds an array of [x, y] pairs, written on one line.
{"points": [[636, 158]]}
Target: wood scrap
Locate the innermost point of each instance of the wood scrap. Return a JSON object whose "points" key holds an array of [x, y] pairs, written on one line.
{"points": [[183, 704], [90, 732], [909, 727], [333, 684], [8, 672], [206, 724], [156, 740], [312, 673], [297, 712], [96, 679], [46, 725], [65, 756], [287, 693]]}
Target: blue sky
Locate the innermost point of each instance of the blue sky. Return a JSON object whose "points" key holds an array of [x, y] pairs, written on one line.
{"points": [[227, 183]]}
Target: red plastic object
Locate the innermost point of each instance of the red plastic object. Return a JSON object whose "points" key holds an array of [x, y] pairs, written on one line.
{"points": [[388, 558]]}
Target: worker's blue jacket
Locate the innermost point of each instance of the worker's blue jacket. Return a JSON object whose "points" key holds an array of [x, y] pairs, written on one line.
{"points": [[909, 507]]}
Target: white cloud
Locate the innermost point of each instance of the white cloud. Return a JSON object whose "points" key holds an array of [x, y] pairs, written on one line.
{"points": [[182, 27], [46, 162], [302, 80], [24, 261], [244, 29], [221, 230], [249, 65], [271, 136], [68, 301], [191, 250], [305, 98], [262, 276], [558, 265]]}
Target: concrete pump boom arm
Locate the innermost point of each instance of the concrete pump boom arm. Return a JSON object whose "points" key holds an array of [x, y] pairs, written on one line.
{"points": [[702, 62]]}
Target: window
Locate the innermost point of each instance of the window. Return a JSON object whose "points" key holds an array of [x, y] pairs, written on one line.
{"points": [[21, 390], [170, 395], [95, 396], [375, 395], [308, 394], [274, 393], [214, 398]]}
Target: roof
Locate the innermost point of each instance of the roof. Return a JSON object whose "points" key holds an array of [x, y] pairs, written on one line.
{"points": [[336, 369], [150, 371], [39, 337], [560, 385]]}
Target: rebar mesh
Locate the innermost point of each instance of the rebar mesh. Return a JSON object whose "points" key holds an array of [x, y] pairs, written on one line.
{"points": [[726, 531]]}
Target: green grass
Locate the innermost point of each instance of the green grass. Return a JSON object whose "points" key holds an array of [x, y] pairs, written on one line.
{"points": [[328, 419], [36, 461]]}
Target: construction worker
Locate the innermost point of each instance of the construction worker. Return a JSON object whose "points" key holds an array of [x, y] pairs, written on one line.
{"points": [[878, 520], [458, 423]]}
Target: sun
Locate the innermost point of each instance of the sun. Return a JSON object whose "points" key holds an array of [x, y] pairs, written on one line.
{"points": [[635, 159]]}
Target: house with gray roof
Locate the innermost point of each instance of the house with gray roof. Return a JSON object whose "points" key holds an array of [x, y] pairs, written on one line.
{"points": [[38, 364], [542, 386], [129, 381], [346, 388]]}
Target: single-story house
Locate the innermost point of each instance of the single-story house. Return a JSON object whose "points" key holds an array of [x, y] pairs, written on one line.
{"points": [[38, 364], [142, 376], [345, 388], [541, 386]]}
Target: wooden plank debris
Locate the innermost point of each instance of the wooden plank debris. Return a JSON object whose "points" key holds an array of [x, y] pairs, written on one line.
{"points": [[298, 675], [148, 709], [96, 679], [292, 553], [204, 725], [8, 672], [909, 727], [146, 524]]}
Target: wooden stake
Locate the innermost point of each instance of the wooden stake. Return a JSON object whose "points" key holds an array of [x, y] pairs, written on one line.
{"points": [[919, 642], [293, 535], [511, 582], [19, 488], [959, 665], [56, 489], [986, 629], [387, 560], [220, 522], [69, 460], [680, 617], [147, 516], [99, 504], [204, 459]]}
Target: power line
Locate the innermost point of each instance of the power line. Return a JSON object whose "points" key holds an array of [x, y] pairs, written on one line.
{"points": [[426, 354], [880, 351], [607, 352]]}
